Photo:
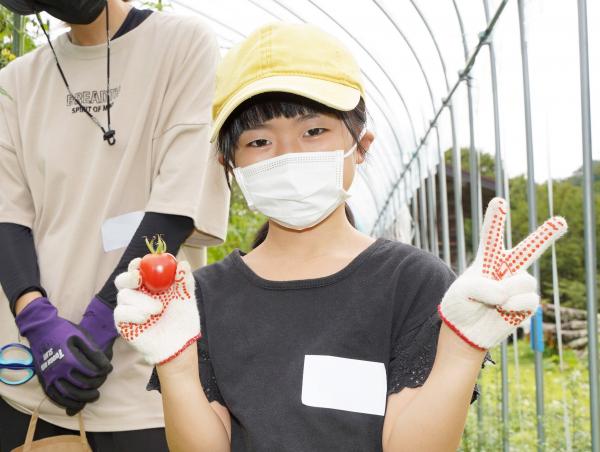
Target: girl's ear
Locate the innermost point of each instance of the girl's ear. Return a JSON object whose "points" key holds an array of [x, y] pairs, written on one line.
{"points": [[221, 160], [364, 144]]}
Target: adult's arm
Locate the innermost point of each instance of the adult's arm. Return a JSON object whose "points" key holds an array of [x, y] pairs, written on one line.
{"points": [[19, 271], [174, 229]]}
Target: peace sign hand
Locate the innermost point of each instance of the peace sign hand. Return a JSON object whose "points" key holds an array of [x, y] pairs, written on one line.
{"points": [[496, 294]]}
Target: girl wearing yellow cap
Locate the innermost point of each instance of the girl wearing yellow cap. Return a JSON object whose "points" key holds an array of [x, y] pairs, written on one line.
{"points": [[321, 338]]}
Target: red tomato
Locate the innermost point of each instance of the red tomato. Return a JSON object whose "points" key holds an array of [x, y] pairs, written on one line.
{"points": [[158, 271]]}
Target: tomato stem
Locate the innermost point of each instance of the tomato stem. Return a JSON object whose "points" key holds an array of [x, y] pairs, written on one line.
{"points": [[150, 245], [161, 245]]}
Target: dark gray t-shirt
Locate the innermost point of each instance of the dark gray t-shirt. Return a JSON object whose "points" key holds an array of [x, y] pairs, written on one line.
{"points": [[381, 308]]}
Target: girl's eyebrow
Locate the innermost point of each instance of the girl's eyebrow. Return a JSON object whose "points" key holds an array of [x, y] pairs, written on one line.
{"points": [[299, 118], [306, 116], [262, 125]]}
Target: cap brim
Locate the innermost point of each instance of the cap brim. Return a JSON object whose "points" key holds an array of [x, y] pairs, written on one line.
{"points": [[332, 94], [18, 6]]}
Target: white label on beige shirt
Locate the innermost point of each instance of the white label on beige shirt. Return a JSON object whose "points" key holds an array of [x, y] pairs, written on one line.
{"points": [[118, 231], [344, 384]]}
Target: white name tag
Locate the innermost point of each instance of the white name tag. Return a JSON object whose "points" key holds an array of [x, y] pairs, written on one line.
{"points": [[344, 384], [117, 232]]}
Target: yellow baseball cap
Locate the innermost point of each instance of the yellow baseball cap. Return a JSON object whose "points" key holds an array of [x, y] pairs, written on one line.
{"points": [[299, 59]]}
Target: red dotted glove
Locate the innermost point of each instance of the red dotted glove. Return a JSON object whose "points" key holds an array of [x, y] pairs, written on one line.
{"points": [[485, 304], [161, 325]]}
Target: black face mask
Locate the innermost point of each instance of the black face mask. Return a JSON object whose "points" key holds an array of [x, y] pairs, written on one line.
{"points": [[80, 12]]}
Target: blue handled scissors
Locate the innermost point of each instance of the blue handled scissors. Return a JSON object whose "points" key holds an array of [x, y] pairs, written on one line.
{"points": [[16, 369]]}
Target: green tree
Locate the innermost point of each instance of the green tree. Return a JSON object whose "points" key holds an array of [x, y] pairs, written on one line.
{"points": [[25, 32], [487, 168], [243, 226], [568, 202], [159, 5], [486, 162]]}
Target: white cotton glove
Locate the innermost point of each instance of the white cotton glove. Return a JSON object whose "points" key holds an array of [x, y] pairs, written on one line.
{"points": [[493, 296], [160, 326]]}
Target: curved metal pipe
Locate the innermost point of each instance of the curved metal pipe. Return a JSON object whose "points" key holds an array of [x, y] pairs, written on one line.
{"points": [[383, 169], [499, 179], [271, 13], [381, 68], [423, 214], [589, 223], [456, 162], [387, 119], [388, 166], [385, 116], [442, 171], [474, 176], [532, 203], [475, 183], [207, 16], [468, 67], [374, 85]]}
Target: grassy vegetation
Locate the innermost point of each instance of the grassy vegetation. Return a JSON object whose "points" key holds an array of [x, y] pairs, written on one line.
{"points": [[522, 415]]}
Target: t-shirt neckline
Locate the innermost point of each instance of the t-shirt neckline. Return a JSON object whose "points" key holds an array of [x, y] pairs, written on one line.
{"points": [[255, 279], [64, 45]]}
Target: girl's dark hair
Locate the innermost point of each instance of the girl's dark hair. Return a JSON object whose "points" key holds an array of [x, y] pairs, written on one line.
{"points": [[264, 107]]}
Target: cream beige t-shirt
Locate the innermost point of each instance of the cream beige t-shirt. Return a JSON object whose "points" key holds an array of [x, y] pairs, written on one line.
{"points": [[62, 180]]}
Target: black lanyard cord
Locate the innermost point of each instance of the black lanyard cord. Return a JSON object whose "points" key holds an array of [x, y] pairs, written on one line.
{"points": [[109, 135]]}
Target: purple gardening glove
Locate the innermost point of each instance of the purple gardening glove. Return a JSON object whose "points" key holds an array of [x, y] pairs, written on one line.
{"points": [[99, 324], [69, 365]]}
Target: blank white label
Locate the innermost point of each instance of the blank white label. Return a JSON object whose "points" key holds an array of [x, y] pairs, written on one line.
{"points": [[117, 232], [344, 384]]}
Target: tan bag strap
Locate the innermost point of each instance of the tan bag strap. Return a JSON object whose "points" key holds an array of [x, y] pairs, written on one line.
{"points": [[30, 432], [82, 436], [33, 422]]}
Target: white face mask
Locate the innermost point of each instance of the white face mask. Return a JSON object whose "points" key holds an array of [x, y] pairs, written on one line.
{"points": [[297, 190]]}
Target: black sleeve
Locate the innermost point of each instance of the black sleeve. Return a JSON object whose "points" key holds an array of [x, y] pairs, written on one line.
{"points": [[414, 356], [19, 271], [175, 229], [207, 374], [134, 18], [422, 282]]}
